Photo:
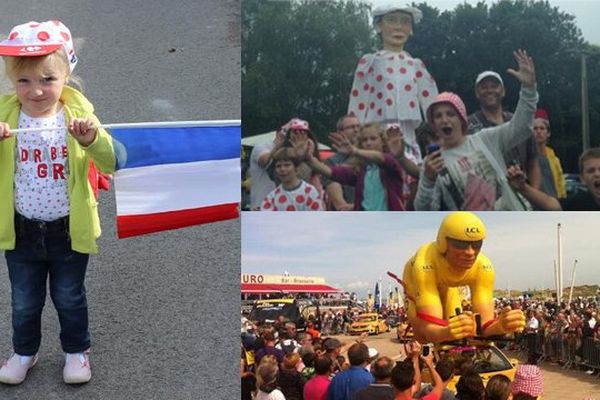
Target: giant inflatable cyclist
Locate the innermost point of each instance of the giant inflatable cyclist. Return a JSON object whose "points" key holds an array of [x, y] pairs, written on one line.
{"points": [[432, 279]]}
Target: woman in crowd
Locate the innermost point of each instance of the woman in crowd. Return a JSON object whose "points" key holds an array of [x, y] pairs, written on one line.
{"points": [[266, 380], [469, 172]]}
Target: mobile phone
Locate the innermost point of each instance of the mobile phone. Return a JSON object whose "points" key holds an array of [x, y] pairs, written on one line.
{"points": [[432, 147], [425, 350]]}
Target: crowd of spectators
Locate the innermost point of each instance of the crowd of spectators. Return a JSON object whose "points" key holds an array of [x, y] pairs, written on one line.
{"points": [[566, 334], [278, 362], [372, 170], [404, 146]]}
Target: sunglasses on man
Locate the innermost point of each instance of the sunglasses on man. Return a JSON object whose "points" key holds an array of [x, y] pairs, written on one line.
{"points": [[464, 244]]}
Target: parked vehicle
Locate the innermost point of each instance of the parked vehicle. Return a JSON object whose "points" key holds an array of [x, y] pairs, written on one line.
{"points": [[372, 323], [271, 309]]}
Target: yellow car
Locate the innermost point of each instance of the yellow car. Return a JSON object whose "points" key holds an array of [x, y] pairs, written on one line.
{"points": [[368, 322], [484, 357]]}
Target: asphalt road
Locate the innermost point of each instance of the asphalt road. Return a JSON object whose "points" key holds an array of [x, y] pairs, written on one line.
{"points": [[163, 307]]}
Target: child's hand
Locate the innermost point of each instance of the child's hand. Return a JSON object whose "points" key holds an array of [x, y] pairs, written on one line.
{"points": [[395, 141], [526, 72], [83, 130], [4, 131], [279, 138], [310, 148], [516, 177], [341, 143]]}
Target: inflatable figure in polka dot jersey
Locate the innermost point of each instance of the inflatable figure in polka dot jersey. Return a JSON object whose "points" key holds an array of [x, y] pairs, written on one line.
{"points": [[390, 86]]}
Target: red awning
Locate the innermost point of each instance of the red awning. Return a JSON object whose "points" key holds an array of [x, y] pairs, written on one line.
{"points": [[286, 288]]}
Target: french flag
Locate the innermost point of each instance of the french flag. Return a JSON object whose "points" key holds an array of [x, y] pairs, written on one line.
{"points": [[176, 174]]}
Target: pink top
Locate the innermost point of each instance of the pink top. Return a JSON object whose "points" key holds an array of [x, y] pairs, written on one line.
{"points": [[316, 388]]}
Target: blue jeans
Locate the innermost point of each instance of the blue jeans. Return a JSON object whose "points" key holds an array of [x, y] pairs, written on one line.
{"points": [[43, 249]]}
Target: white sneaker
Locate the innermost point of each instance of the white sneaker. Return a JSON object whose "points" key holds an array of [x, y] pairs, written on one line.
{"points": [[590, 372], [77, 368], [14, 370]]}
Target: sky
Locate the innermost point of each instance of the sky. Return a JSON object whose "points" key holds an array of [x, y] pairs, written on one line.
{"points": [[585, 12], [352, 251]]}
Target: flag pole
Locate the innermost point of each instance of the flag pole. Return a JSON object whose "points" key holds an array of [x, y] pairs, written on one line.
{"points": [[134, 125]]}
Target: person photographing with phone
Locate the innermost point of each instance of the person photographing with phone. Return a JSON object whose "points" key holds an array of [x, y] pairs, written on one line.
{"points": [[468, 172], [406, 375]]}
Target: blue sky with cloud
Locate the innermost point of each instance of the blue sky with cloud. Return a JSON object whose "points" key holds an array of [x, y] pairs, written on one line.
{"points": [[353, 250]]}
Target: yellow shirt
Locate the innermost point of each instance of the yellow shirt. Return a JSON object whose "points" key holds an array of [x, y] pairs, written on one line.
{"points": [[431, 282]]}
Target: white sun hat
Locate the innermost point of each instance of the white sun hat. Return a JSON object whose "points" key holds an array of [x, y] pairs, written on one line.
{"points": [[380, 11]]}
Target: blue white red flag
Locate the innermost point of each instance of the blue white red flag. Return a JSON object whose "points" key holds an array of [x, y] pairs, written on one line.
{"points": [[176, 175]]}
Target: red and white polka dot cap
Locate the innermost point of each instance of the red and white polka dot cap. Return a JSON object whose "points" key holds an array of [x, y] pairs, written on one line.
{"points": [[39, 39], [299, 124]]}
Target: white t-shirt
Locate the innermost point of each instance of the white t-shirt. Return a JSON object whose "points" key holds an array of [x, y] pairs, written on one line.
{"points": [[274, 395], [41, 188]]}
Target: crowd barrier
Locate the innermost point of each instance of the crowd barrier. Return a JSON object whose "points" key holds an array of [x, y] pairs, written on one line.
{"points": [[590, 353]]}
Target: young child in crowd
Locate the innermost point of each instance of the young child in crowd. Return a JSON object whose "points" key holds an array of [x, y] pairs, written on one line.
{"points": [[292, 194], [49, 221], [588, 200], [375, 173]]}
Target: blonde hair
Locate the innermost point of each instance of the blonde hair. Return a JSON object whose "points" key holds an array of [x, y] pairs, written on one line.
{"points": [[14, 65], [358, 163], [266, 375]]}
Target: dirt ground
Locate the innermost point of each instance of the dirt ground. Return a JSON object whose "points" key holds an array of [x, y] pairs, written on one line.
{"points": [[559, 384]]}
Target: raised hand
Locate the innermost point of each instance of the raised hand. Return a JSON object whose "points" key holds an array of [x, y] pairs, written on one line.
{"points": [[310, 148], [300, 146], [526, 72], [395, 141], [341, 143]]}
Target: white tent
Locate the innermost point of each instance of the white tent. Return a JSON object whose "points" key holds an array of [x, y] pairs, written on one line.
{"points": [[268, 137]]}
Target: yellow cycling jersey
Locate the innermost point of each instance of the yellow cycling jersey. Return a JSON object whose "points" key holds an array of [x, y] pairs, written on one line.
{"points": [[429, 281]]}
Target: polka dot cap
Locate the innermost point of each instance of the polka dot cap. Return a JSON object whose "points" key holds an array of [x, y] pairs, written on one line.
{"points": [[300, 124], [39, 39]]}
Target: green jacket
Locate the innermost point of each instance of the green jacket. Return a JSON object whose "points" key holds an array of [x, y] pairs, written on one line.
{"points": [[84, 223]]}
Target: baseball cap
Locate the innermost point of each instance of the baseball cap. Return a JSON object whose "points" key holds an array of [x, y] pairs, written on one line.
{"points": [[34, 39], [416, 14], [488, 74]]}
